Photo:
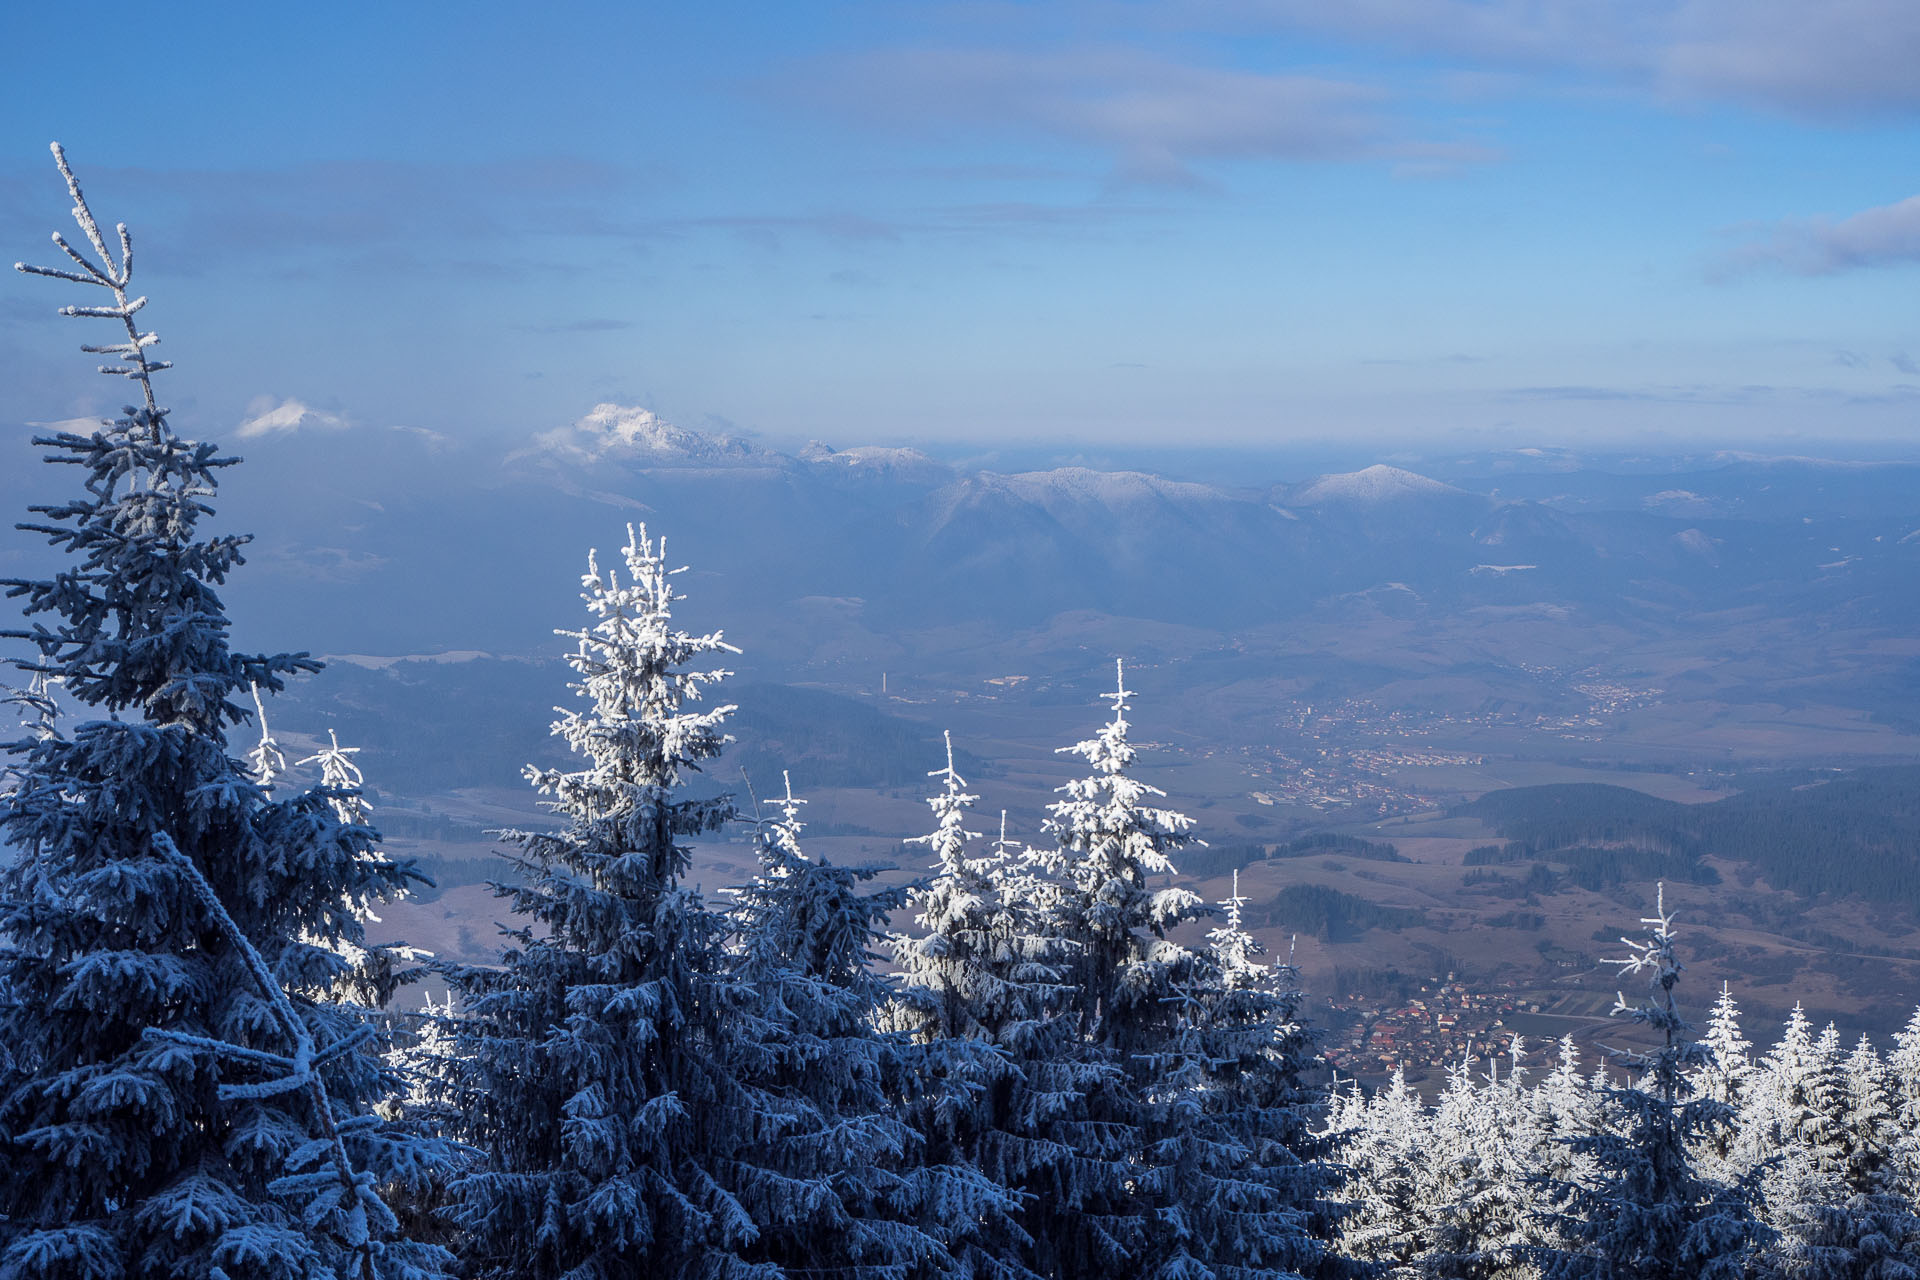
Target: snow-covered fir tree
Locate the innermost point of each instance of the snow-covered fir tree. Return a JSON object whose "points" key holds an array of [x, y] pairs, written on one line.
{"points": [[1817, 1129], [1479, 1179], [1903, 1078], [1785, 1116], [428, 1063], [1564, 1106], [1646, 1211], [972, 988], [953, 973], [600, 1059], [185, 1100], [1382, 1139], [1732, 1052], [1110, 841], [1101, 1205], [1174, 1102], [845, 1188], [1869, 1227], [1229, 1120]]}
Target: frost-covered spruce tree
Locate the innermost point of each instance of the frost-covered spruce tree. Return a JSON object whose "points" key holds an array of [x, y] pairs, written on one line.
{"points": [[1903, 1065], [1562, 1107], [1817, 1129], [1786, 1109], [1383, 1141], [1111, 1207], [1843, 1213], [186, 1101], [1110, 842], [600, 1058], [1647, 1211], [1229, 1120], [953, 975], [1480, 1182], [842, 1187], [1903, 1085], [1732, 1052], [970, 986], [374, 974]]}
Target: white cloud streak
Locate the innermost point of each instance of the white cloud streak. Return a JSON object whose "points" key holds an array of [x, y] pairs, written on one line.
{"points": [[1156, 117], [1833, 58]]}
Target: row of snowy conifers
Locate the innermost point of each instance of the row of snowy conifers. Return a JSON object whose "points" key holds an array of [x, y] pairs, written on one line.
{"points": [[1802, 1161], [198, 1077]]}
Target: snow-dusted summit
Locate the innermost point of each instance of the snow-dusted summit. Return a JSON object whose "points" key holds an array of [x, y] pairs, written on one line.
{"points": [[881, 462], [640, 437], [1376, 484], [1114, 490]]}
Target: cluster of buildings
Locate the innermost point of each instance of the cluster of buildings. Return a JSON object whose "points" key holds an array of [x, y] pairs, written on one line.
{"points": [[1442, 1025]]}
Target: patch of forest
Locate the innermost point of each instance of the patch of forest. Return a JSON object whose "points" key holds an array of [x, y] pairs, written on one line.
{"points": [[1854, 834], [1330, 915], [1222, 859]]}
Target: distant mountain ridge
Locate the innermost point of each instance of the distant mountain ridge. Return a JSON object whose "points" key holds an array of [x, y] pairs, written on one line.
{"points": [[393, 542], [1374, 485]]}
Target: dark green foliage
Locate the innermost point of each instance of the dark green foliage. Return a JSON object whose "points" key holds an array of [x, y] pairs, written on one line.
{"points": [[1331, 915], [1529, 920], [1597, 869], [1854, 834], [1565, 814], [1205, 862], [1497, 855]]}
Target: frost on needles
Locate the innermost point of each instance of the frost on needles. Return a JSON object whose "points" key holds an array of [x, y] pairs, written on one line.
{"points": [[598, 1061], [185, 1098]]}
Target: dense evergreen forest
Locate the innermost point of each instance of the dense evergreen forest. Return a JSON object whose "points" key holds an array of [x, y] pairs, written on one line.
{"points": [[1854, 834], [1074, 1067]]}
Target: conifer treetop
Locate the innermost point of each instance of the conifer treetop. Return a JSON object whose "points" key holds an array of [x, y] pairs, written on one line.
{"points": [[632, 662], [112, 276], [139, 624], [1105, 829]]}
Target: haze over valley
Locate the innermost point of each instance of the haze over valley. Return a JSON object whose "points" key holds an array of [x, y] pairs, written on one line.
{"points": [[1352, 655]]}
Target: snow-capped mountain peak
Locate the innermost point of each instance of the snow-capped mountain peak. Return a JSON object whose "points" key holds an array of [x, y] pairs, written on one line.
{"points": [[1375, 484], [642, 437]]}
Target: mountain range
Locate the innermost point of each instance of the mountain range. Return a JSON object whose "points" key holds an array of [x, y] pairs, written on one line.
{"points": [[399, 542]]}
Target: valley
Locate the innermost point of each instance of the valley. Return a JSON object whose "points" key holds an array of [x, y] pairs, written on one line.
{"points": [[1359, 655]]}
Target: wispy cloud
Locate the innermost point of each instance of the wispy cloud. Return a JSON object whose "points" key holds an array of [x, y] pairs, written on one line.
{"points": [[374, 216], [587, 324], [1153, 117], [1708, 395], [1887, 235], [1836, 58]]}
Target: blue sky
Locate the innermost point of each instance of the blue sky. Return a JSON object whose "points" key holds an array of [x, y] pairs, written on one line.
{"points": [[1445, 222]]}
